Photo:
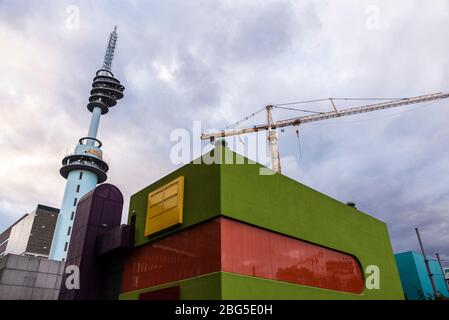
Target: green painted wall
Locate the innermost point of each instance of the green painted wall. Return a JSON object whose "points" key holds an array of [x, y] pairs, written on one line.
{"points": [[205, 287], [238, 287], [277, 203], [229, 286]]}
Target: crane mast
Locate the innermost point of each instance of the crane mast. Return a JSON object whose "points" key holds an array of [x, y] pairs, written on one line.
{"points": [[271, 125], [273, 142]]}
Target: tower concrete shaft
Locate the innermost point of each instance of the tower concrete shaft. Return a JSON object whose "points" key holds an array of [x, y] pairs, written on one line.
{"points": [[85, 167]]}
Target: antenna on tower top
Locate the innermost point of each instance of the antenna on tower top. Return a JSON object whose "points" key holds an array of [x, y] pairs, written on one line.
{"points": [[106, 89], [109, 55]]}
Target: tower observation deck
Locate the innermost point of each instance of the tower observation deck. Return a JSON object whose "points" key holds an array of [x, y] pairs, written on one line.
{"points": [[85, 167]]}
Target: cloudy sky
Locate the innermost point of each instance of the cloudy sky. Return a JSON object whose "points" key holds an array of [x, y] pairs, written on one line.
{"points": [[218, 61]]}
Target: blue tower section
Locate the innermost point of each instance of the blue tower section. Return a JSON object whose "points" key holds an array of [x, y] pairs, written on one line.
{"points": [[85, 167]]}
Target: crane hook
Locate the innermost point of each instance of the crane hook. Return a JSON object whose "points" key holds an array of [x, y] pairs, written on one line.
{"points": [[299, 144]]}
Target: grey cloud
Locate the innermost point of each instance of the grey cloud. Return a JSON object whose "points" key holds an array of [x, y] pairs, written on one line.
{"points": [[226, 60]]}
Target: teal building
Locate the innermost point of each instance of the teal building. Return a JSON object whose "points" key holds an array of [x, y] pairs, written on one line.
{"points": [[415, 278]]}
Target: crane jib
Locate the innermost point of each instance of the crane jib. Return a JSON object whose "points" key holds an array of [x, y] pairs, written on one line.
{"points": [[327, 115]]}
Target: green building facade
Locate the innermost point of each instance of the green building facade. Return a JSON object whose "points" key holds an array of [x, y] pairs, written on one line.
{"points": [[274, 210]]}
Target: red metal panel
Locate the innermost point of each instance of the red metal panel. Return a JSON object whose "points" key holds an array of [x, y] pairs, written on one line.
{"points": [[260, 253], [184, 255], [235, 247]]}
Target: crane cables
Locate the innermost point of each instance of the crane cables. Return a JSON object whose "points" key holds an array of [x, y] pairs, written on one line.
{"points": [[244, 119], [285, 106], [295, 109], [336, 99]]}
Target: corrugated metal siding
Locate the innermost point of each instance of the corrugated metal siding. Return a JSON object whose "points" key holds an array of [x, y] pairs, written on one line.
{"points": [[20, 233]]}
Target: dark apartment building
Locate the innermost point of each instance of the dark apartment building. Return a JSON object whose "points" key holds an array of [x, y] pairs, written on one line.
{"points": [[32, 234]]}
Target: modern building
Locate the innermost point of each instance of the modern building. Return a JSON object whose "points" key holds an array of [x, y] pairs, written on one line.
{"points": [[415, 278], [29, 278], [223, 231], [85, 168], [32, 234], [4, 237]]}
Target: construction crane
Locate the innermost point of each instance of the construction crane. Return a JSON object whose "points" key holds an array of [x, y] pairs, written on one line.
{"points": [[271, 125]]}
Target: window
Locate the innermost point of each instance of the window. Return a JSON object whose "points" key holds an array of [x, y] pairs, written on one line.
{"points": [[78, 188], [73, 215], [66, 246], [165, 207], [81, 175], [68, 231], [74, 201]]}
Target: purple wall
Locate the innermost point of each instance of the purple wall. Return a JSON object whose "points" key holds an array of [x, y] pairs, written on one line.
{"points": [[97, 213]]}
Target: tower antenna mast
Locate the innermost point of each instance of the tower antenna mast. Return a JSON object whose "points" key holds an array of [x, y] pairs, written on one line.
{"points": [[110, 49], [85, 167]]}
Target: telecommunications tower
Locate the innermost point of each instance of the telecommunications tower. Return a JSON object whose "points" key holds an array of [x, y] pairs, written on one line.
{"points": [[85, 167]]}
